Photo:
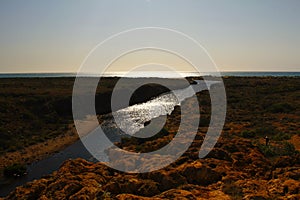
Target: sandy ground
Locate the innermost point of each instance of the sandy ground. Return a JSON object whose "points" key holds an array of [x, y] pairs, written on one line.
{"points": [[40, 150]]}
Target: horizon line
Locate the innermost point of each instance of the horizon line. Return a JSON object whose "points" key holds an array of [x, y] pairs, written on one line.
{"points": [[221, 71]]}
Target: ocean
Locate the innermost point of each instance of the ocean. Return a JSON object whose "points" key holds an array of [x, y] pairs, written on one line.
{"points": [[150, 74]]}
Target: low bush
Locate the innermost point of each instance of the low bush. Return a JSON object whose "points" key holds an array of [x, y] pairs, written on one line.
{"points": [[14, 170], [248, 134], [266, 129], [289, 149], [280, 108], [281, 136], [204, 122], [233, 190], [268, 151], [282, 149], [138, 148]]}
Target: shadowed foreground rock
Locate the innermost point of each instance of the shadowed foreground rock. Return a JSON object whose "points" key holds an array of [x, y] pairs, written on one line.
{"points": [[247, 175], [79, 179]]}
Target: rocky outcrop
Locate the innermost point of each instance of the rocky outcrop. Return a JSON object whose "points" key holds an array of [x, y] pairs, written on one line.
{"points": [[77, 179], [224, 174]]}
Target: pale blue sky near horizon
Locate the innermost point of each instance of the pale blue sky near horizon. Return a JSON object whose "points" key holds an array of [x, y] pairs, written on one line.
{"points": [[56, 35]]}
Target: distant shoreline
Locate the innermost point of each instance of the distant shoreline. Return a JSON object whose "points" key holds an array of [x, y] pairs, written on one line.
{"points": [[152, 74]]}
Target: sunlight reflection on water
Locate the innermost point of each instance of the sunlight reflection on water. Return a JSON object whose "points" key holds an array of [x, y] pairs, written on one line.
{"points": [[133, 118]]}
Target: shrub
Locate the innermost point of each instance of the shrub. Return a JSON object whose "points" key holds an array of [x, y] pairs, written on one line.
{"points": [[248, 134], [204, 122], [268, 151], [163, 132], [281, 136], [233, 190], [14, 170], [289, 149], [125, 139], [267, 129], [283, 149], [281, 108], [138, 148]]}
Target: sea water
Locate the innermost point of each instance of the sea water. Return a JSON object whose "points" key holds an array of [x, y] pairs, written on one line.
{"points": [[151, 74]]}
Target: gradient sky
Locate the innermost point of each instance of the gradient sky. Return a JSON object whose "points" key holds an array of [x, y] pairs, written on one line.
{"points": [[56, 35]]}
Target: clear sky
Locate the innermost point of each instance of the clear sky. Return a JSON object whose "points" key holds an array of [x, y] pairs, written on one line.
{"points": [[56, 35]]}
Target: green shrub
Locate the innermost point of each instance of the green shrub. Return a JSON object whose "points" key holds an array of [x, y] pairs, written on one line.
{"points": [[232, 189], [289, 149], [268, 151], [281, 108], [283, 149], [265, 129], [138, 148], [248, 134], [125, 139], [14, 170], [204, 122], [163, 132], [281, 136]]}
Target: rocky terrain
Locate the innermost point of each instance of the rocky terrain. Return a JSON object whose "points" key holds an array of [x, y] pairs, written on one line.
{"points": [[240, 166], [235, 169]]}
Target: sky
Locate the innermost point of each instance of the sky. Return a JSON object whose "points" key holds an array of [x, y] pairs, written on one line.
{"points": [[57, 35]]}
